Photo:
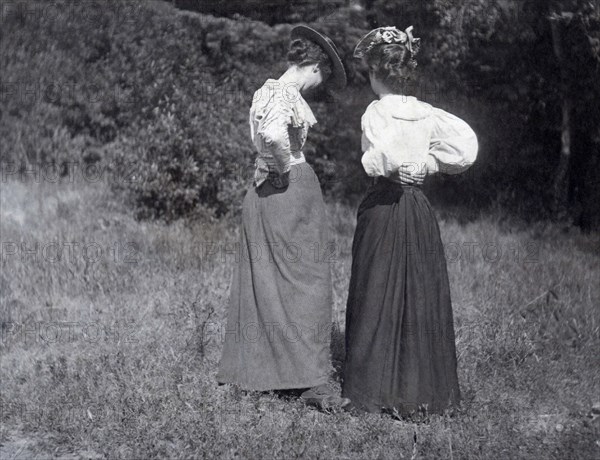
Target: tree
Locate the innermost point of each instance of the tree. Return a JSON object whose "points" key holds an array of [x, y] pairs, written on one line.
{"points": [[575, 48], [534, 64]]}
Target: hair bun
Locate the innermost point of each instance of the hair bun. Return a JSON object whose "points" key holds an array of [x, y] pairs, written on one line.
{"points": [[302, 51], [393, 64], [297, 52]]}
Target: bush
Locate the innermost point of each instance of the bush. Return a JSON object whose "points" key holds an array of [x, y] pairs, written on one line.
{"points": [[164, 92], [269, 11], [164, 95]]}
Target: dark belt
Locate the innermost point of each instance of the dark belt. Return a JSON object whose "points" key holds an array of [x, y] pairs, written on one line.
{"points": [[380, 180]]}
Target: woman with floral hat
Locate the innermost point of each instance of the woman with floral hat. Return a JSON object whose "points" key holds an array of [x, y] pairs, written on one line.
{"points": [[279, 321], [400, 350]]}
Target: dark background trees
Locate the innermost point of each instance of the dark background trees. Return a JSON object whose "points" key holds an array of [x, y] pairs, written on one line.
{"points": [[523, 73], [534, 66]]}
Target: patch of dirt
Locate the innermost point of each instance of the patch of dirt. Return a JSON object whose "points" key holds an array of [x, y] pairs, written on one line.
{"points": [[18, 446]]}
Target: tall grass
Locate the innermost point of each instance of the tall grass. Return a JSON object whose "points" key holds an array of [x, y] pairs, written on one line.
{"points": [[116, 353]]}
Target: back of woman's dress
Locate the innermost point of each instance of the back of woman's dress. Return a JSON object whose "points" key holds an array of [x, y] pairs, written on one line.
{"points": [[278, 326], [400, 350]]}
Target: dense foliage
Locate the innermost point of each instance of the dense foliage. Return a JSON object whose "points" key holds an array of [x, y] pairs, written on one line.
{"points": [[269, 11], [503, 55], [163, 95]]}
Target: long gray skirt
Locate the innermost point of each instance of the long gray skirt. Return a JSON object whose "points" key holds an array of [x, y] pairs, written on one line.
{"points": [[400, 350], [279, 319]]}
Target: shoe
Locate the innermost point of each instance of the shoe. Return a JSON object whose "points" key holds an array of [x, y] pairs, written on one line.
{"points": [[322, 397], [352, 409]]}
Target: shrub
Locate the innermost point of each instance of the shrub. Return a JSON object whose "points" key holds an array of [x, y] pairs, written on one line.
{"points": [[164, 92]]}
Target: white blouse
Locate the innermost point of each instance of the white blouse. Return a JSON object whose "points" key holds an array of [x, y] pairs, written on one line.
{"points": [[399, 130], [279, 123]]}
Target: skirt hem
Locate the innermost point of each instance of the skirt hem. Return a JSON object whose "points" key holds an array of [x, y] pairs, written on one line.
{"points": [[288, 386]]}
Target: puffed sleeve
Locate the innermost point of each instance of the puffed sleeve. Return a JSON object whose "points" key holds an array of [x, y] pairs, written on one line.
{"points": [[453, 144], [372, 124], [272, 129]]}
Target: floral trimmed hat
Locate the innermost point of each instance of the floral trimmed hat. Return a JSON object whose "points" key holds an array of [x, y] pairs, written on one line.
{"points": [[387, 35]]}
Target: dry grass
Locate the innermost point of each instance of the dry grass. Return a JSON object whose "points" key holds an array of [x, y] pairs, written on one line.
{"points": [[109, 357]]}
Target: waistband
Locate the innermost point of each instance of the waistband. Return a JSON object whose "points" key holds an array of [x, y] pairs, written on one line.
{"points": [[385, 182], [294, 160], [265, 167]]}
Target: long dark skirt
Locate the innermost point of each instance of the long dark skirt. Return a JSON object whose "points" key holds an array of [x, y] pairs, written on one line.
{"points": [[279, 321], [400, 350]]}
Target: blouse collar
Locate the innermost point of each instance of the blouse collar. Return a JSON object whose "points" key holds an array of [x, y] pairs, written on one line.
{"points": [[399, 97], [403, 107], [293, 98]]}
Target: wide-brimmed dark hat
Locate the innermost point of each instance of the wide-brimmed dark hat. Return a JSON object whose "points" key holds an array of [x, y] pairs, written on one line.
{"points": [[337, 80]]}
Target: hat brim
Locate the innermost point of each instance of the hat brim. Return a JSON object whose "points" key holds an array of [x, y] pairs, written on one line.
{"points": [[337, 80]]}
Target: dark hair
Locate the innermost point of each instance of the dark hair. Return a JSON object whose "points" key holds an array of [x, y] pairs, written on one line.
{"points": [[304, 52], [393, 65]]}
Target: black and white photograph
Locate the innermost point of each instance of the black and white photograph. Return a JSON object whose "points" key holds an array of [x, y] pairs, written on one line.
{"points": [[305, 229]]}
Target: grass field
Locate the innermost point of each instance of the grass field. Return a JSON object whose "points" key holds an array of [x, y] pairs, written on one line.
{"points": [[111, 351]]}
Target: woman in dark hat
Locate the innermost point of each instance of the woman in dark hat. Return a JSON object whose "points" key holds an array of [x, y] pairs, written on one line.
{"points": [[280, 306], [400, 350]]}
